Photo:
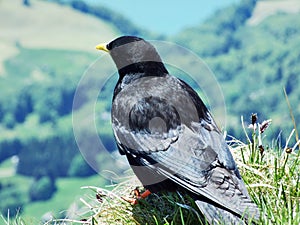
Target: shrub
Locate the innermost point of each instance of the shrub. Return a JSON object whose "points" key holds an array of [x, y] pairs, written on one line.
{"points": [[80, 168], [42, 189]]}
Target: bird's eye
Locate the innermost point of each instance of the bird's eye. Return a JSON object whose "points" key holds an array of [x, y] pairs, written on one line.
{"points": [[108, 46]]}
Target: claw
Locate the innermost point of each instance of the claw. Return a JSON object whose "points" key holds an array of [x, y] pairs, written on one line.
{"points": [[132, 201], [138, 195]]}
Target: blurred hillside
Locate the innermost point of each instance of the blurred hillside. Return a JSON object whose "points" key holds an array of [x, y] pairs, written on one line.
{"points": [[48, 26], [254, 57], [46, 47]]}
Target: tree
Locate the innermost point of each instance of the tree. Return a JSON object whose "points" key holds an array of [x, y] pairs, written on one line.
{"points": [[80, 168], [42, 189]]}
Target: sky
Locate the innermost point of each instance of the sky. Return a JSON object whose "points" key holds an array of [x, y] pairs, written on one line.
{"points": [[165, 16]]}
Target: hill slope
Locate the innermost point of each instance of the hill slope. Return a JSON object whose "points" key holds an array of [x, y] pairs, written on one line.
{"points": [[265, 9], [50, 26], [252, 63], [45, 49]]}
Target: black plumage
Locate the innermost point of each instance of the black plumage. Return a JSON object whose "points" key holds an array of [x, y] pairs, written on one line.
{"points": [[170, 138]]}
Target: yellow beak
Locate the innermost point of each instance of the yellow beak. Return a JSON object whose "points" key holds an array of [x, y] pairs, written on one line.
{"points": [[102, 47]]}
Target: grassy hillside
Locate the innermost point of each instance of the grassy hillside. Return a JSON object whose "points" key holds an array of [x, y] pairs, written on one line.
{"points": [[253, 64], [66, 201], [47, 25], [46, 49]]}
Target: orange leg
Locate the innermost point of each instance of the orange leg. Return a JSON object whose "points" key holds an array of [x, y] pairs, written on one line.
{"points": [[145, 194], [138, 196]]}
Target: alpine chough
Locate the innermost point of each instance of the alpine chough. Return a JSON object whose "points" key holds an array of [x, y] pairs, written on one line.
{"points": [[170, 138]]}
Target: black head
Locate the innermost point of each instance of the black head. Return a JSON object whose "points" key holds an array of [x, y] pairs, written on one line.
{"points": [[134, 55], [123, 40]]}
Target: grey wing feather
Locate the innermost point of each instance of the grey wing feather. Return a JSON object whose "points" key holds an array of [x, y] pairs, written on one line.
{"points": [[217, 180], [208, 176], [143, 143], [217, 215]]}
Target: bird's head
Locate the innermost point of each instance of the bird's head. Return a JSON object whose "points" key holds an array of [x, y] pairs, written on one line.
{"points": [[134, 55]]}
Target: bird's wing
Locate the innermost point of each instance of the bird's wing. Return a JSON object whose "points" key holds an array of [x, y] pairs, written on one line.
{"points": [[197, 158], [214, 214], [141, 142], [201, 162]]}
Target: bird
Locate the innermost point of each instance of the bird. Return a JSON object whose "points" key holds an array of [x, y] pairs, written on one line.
{"points": [[169, 136]]}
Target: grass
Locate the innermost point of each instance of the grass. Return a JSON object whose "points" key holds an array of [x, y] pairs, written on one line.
{"points": [[16, 221], [270, 172], [68, 191], [106, 206], [66, 198]]}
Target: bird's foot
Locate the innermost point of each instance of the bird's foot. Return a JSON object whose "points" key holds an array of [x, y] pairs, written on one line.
{"points": [[137, 196]]}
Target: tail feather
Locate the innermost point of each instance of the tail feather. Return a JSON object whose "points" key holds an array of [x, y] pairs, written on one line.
{"points": [[218, 216]]}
